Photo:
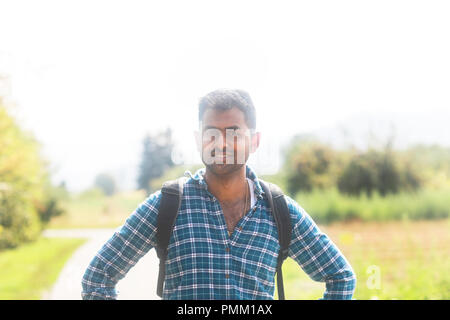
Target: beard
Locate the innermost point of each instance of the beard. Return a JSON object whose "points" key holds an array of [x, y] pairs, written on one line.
{"points": [[224, 169], [227, 167]]}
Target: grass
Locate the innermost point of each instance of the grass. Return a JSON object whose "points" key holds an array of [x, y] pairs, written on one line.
{"points": [[412, 258], [33, 267], [94, 210], [327, 206]]}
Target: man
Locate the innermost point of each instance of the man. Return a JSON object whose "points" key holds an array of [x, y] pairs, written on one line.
{"points": [[224, 243]]}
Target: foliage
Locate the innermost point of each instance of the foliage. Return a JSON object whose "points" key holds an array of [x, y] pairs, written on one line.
{"points": [[21, 173], [377, 171], [311, 164], [372, 185], [27, 199], [19, 220], [156, 158], [106, 183]]}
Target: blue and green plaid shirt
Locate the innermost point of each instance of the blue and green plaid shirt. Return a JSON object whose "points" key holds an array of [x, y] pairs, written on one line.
{"points": [[204, 262]]}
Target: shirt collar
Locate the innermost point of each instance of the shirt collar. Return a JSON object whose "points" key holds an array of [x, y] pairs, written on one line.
{"points": [[250, 173]]}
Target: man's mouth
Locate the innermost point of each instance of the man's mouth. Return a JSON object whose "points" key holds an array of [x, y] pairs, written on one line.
{"points": [[224, 155]]}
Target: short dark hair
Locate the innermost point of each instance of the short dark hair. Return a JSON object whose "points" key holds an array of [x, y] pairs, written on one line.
{"points": [[225, 99]]}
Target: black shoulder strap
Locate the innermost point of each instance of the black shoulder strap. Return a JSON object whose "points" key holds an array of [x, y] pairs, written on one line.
{"points": [[171, 194], [281, 214]]}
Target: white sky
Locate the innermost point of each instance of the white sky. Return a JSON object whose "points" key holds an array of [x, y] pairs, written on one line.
{"points": [[90, 78]]}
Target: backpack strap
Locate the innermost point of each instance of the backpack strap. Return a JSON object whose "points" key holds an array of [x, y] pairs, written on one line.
{"points": [[171, 192], [281, 214]]}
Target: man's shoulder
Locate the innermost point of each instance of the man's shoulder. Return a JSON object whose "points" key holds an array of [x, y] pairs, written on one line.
{"points": [[151, 202], [297, 212]]}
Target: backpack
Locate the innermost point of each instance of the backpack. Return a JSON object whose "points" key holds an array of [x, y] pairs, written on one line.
{"points": [[168, 210]]}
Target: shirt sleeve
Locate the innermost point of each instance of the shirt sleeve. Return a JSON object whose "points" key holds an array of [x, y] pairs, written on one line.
{"points": [[122, 251], [318, 256]]}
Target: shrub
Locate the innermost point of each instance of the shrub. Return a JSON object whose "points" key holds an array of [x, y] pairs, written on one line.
{"points": [[26, 198], [19, 220]]}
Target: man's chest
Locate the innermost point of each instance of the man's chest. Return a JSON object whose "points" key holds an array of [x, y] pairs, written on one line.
{"points": [[200, 241], [232, 215]]}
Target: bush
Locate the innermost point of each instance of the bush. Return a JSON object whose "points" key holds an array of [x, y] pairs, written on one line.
{"points": [[310, 164], [378, 171], [26, 198], [19, 220]]}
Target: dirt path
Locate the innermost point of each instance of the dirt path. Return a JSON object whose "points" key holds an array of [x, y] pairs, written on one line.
{"points": [[138, 284]]}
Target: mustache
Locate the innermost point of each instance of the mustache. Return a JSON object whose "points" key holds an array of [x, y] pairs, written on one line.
{"points": [[218, 152], [216, 155]]}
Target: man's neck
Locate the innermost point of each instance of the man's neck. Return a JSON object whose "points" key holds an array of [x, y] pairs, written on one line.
{"points": [[227, 188]]}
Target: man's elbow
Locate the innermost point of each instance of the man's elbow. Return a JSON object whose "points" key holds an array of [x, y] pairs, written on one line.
{"points": [[94, 287], [87, 288], [98, 293], [342, 286], [351, 283]]}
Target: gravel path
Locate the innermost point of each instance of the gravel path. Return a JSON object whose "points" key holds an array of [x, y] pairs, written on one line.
{"points": [[138, 284]]}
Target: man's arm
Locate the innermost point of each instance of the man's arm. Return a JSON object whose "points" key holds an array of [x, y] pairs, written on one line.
{"points": [[122, 251], [318, 256]]}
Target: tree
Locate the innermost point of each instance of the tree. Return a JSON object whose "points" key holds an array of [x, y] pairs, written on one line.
{"points": [[310, 164], [27, 198], [359, 176], [106, 183], [379, 171], [22, 180], [156, 158]]}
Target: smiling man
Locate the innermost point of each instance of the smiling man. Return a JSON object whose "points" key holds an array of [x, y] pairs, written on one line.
{"points": [[224, 243]]}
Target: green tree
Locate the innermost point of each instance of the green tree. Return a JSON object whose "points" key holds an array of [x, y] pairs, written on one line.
{"points": [[311, 164], [379, 171], [21, 175], [106, 183], [156, 158], [359, 176], [27, 198]]}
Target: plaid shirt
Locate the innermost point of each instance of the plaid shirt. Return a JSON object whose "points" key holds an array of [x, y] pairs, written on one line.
{"points": [[204, 262]]}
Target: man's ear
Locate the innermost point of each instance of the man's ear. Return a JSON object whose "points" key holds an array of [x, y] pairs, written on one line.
{"points": [[254, 142]]}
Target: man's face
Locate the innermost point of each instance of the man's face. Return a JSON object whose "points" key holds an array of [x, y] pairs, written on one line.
{"points": [[225, 140]]}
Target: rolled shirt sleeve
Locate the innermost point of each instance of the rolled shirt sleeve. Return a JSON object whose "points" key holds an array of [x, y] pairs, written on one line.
{"points": [[122, 251], [318, 256]]}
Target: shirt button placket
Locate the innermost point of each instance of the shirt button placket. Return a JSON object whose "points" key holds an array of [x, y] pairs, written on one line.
{"points": [[227, 263]]}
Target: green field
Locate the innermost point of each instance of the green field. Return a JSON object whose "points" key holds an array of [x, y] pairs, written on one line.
{"points": [[328, 206], [412, 257], [32, 268], [94, 210]]}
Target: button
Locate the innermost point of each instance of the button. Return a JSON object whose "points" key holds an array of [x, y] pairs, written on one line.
{"points": [[227, 249], [227, 276], [240, 228]]}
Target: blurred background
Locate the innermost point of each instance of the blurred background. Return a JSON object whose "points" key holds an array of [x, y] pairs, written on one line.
{"points": [[99, 103]]}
